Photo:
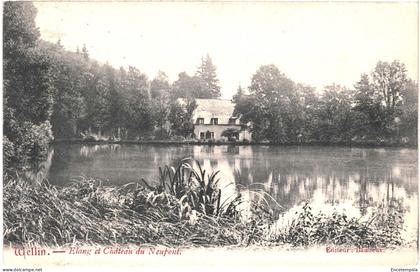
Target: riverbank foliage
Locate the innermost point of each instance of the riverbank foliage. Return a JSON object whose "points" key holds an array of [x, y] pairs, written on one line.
{"points": [[183, 209]]}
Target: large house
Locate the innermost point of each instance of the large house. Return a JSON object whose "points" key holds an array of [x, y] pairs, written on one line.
{"points": [[214, 120]]}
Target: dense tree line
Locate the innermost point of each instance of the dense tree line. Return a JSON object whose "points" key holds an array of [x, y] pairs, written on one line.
{"points": [[52, 92], [95, 99], [380, 109]]}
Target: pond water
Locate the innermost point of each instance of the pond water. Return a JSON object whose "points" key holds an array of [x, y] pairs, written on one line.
{"points": [[360, 177]]}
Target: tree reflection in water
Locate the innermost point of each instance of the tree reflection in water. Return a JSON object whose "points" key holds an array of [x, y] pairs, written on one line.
{"points": [[291, 175]]}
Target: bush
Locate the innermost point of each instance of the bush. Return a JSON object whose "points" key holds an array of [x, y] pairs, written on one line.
{"points": [[161, 134], [8, 151], [178, 138], [381, 229], [30, 144]]}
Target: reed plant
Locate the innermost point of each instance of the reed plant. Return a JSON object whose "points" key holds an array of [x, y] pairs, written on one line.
{"points": [[195, 189]]}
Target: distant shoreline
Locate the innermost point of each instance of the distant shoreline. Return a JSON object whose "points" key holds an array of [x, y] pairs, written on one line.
{"points": [[239, 143]]}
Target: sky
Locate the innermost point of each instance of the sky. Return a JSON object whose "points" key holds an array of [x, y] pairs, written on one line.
{"points": [[314, 43]]}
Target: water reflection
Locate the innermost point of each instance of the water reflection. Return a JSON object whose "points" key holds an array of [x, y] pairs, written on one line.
{"points": [[331, 175]]}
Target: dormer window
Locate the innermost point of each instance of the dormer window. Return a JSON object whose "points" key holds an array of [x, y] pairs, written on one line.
{"points": [[200, 121], [214, 121], [232, 121]]}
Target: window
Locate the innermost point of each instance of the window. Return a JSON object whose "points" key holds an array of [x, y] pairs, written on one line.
{"points": [[201, 135], [232, 121], [209, 135], [200, 121], [214, 121]]}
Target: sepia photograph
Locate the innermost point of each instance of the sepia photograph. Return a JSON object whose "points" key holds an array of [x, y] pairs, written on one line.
{"points": [[210, 134]]}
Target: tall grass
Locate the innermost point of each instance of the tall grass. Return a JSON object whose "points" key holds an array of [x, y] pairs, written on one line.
{"points": [[382, 229], [86, 212], [195, 190], [184, 209]]}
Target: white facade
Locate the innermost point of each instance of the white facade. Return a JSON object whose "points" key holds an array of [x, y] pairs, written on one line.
{"points": [[214, 116]]}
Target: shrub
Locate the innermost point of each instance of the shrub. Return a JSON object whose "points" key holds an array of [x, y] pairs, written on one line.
{"points": [[30, 144], [381, 229], [161, 134], [8, 151]]}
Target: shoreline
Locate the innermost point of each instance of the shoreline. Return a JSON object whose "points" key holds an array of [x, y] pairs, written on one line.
{"points": [[239, 143]]}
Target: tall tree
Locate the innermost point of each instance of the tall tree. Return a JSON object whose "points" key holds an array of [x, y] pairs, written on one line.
{"points": [[68, 77], [379, 100], [409, 113], [272, 106], [335, 114], [180, 117], [159, 85], [274, 94], [368, 106], [307, 110], [116, 102], [27, 84], [85, 52], [28, 90], [238, 95], [140, 114], [160, 94], [189, 87], [389, 79], [207, 72]]}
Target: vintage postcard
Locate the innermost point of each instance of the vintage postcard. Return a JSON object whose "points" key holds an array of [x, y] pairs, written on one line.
{"points": [[174, 135]]}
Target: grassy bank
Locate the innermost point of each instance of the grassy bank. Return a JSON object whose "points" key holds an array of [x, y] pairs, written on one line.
{"points": [[184, 208]]}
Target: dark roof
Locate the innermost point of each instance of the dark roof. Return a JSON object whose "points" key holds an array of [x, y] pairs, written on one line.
{"points": [[213, 108]]}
